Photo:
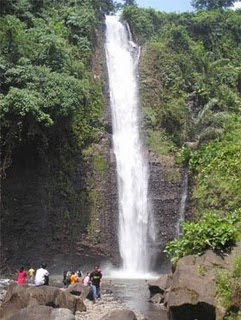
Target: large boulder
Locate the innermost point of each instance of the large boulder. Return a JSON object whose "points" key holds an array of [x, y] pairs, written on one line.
{"points": [[38, 312], [192, 293], [22, 296], [119, 315]]}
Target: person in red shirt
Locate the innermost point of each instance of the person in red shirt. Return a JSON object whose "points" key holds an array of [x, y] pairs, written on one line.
{"points": [[22, 276]]}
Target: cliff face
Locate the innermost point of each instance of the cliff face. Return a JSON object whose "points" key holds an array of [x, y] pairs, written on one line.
{"points": [[62, 207], [165, 193]]}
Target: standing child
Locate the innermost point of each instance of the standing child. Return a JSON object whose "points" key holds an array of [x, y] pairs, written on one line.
{"points": [[31, 272]]}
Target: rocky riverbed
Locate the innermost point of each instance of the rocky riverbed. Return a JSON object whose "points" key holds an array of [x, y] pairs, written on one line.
{"points": [[106, 305], [109, 302]]}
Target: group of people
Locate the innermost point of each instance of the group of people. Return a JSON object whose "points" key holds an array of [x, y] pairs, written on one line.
{"points": [[71, 277], [92, 280], [41, 277]]}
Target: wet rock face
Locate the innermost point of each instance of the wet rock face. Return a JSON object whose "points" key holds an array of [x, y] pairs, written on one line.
{"points": [[165, 193]]}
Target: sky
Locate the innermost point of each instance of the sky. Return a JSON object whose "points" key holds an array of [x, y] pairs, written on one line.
{"points": [[171, 5]]}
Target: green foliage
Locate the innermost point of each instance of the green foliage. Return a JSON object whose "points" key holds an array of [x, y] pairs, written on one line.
{"points": [[224, 287], [160, 142], [212, 231], [129, 3], [190, 84], [190, 79], [47, 89], [212, 4], [228, 287], [217, 166], [100, 164], [237, 268]]}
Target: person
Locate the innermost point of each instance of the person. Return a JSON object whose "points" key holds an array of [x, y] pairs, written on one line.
{"points": [[79, 275], [65, 279], [42, 276], [86, 279], [31, 272], [73, 278], [22, 276], [95, 278]]}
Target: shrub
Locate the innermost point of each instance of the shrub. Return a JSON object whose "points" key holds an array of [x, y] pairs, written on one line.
{"points": [[211, 232], [224, 287]]}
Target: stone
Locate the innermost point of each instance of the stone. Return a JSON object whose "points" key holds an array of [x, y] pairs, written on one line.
{"points": [[157, 298], [160, 285], [38, 312], [22, 296], [193, 288], [67, 300], [78, 289], [120, 315]]}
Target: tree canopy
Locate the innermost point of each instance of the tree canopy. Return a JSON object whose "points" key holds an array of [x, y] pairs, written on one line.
{"points": [[212, 4], [47, 87]]}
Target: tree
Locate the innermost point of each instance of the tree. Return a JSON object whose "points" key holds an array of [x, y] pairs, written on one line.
{"points": [[129, 3], [212, 4]]}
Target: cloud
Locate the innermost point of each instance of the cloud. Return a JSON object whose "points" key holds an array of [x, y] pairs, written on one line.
{"points": [[237, 5]]}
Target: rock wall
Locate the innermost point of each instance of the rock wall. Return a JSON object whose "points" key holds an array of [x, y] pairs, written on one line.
{"points": [[165, 192], [62, 206]]}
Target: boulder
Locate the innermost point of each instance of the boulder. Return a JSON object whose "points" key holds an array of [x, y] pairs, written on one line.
{"points": [[69, 301], [193, 288], [120, 315], [39, 312], [78, 289], [160, 285], [22, 296]]}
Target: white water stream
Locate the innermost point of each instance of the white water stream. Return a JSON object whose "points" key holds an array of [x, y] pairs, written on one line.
{"points": [[135, 222], [182, 207]]}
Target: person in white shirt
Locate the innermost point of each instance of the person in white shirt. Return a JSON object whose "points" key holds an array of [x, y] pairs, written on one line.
{"points": [[42, 276]]}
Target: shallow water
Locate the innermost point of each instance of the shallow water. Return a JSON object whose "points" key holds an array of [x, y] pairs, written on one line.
{"points": [[135, 295]]}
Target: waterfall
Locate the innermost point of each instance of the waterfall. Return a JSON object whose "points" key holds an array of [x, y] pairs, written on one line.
{"points": [[135, 221], [182, 207]]}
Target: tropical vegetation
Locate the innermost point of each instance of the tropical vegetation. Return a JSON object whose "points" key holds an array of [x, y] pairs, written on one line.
{"points": [[190, 84]]}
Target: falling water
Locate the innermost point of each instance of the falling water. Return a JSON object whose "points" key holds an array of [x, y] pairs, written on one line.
{"points": [[134, 214], [182, 203]]}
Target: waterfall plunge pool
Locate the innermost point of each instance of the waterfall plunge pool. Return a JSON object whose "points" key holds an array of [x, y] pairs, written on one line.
{"points": [[135, 295]]}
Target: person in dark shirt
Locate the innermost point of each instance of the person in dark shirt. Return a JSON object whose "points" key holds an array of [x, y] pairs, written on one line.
{"points": [[95, 278]]}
